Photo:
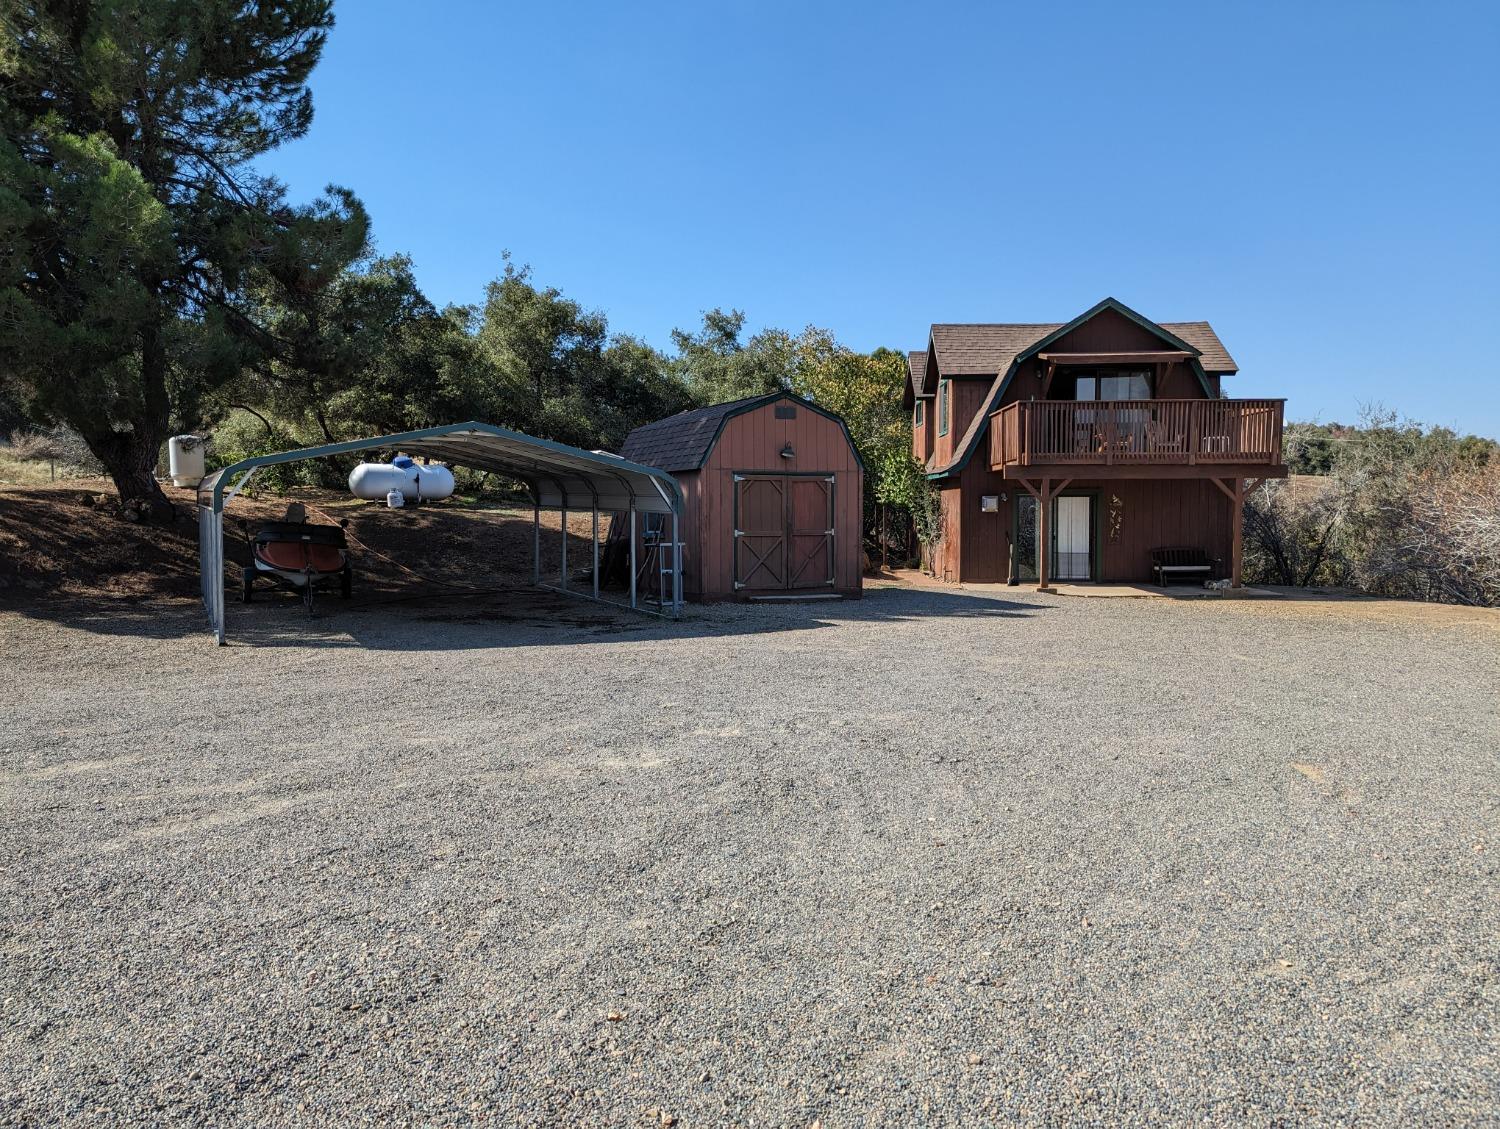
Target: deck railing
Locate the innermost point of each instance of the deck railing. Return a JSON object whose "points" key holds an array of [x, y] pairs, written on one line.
{"points": [[1110, 432]]}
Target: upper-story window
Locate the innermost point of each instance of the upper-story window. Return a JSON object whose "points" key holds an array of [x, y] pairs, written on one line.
{"points": [[943, 397], [1113, 386], [917, 419]]}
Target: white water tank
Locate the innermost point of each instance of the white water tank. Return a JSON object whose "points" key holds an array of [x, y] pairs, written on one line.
{"points": [[374, 482], [185, 459]]}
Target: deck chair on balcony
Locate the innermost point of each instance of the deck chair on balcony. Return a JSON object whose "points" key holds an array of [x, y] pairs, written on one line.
{"points": [[1161, 437]]}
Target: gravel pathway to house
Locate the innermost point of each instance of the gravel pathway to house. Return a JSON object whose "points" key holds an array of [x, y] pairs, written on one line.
{"points": [[937, 857]]}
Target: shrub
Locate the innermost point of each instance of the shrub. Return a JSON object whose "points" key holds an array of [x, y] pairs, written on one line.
{"points": [[1405, 511], [59, 445], [244, 435]]}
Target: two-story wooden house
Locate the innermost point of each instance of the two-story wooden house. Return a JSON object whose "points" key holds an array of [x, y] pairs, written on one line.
{"points": [[1101, 441]]}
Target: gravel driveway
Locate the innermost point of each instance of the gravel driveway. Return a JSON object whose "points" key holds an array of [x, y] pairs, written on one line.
{"points": [[936, 857]]}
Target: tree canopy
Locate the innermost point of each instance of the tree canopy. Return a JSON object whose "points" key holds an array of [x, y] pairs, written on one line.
{"points": [[716, 366], [135, 227], [153, 280]]}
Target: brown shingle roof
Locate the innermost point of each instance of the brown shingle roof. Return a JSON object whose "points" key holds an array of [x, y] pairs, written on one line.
{"points": [[683, 441], [1201, 336], [916, 372], [984, 349]]}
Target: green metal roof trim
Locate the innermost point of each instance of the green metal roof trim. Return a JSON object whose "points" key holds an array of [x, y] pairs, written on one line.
{"points": [[1124, 311], [1030, 351], [550, 469]]}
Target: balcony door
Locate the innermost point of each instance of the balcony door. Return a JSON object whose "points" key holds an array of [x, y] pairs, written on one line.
{"points": [[1130, 423], [1112, 386]]}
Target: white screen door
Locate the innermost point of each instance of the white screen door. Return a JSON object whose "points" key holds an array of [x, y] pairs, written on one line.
{"points": [[1072, 539]]}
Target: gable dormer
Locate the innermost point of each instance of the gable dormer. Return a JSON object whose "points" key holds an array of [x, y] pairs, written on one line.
{"points": [[917, 400], [1112, 352]]}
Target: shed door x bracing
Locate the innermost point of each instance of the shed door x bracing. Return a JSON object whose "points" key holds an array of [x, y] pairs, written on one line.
{"points": [[783, 531]]}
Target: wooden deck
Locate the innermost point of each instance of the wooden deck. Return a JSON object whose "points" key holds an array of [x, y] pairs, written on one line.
{"points": [[1138, 438]]}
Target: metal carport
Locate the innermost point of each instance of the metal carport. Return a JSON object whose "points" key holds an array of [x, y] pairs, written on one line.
{"points": [[560, 477]]}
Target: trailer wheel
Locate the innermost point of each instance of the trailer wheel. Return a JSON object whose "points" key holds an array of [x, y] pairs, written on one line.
{"points": [[346, 582], [247, 585]]}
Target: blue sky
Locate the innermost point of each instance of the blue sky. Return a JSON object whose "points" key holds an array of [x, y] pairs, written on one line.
{"points": [[1319, 180]]}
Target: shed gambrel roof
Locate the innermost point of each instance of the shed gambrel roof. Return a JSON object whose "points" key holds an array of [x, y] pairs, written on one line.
{"points": [[684, 441], [679, 442]]}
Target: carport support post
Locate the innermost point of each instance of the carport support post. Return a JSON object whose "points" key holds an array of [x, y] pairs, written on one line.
{"points": [[216, 522], [596, 548], [632, 552], [536, 543], [676, 565], [565, 546]]}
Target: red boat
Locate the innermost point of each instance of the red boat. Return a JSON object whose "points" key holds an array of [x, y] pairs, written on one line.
{"points": [[300, 554]]}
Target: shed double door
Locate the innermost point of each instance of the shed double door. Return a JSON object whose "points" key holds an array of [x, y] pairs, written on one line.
{"points": [[783, 531]]}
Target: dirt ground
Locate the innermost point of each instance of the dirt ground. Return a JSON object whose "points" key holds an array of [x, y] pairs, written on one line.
{"points": [[55, 541]]}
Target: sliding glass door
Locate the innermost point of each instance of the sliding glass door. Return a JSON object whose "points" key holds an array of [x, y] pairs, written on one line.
{"points": [[1112, 386], [1127, 425], [1072, 548], [1071, 537]]}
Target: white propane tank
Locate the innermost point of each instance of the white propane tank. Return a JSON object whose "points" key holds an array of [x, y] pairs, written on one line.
{"points": [[375, 481], [395, 499], [433, 482], [185, 459]]}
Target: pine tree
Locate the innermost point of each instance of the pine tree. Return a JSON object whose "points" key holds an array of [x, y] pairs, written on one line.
{"points": [[133, 224]]}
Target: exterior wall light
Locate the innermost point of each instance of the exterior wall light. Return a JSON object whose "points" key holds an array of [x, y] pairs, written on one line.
{"points": [[788, 453]]}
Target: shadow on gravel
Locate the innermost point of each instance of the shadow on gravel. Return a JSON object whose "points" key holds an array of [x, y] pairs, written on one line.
{"points": [[508, 617]]}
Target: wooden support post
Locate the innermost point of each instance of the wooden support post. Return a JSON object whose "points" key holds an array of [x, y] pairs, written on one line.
{"points": [[1237, 545], [1234, 489]]}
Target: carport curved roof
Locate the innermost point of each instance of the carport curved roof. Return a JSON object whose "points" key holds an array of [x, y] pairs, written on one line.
{"points": [[558, 475]]}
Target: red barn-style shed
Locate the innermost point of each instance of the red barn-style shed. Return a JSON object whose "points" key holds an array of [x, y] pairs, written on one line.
{"points": [[773, 497]]}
